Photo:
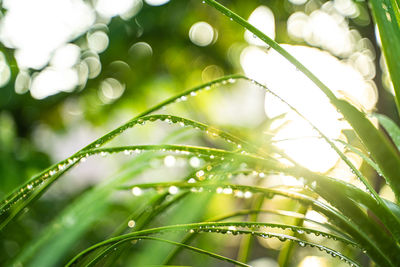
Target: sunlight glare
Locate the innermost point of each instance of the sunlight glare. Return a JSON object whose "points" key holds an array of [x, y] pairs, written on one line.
{"points": [[325, 28], [298, 2], [297, 138], [201, 33], [263, 19], [156, 2], [65, 56], [5, 72], [110, 8], [346, 7], [313, 261], [52, 81], [36, 28], [110, 90], [22, 82], [97, 41]]}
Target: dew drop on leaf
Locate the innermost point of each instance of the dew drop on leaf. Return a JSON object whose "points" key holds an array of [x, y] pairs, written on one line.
{"points": [[173, 190], [136, 191], [131, 224]]}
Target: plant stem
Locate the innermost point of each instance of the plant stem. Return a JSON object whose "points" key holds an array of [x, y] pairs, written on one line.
{"points": [[247, 241], [287, 249]]}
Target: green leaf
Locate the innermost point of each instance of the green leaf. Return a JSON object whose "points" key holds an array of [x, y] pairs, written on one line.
{"points": [[198, 250], [214, 227], [386, 15], [391, 128]]}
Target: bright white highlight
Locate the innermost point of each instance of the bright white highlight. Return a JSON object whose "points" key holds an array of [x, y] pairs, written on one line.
{"points": [[52, 81], [296, 137], [156, 2], [110, 8], [201, 33], [36, 28], [263, 19]]}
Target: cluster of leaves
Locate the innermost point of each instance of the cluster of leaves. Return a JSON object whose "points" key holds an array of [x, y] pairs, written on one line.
{"points": [[358, 220]]}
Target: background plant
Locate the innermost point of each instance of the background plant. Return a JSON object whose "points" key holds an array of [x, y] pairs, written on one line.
{"points": [[191, 208]]}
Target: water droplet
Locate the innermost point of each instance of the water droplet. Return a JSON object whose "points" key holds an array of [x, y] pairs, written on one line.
{"points": [[219, 190], [200, 173], [212, 157], [389, 18], [193, 93], [192, 181], [302, 244], [131, 224], [232, 228], [208, 88], [173, 190], [227, 191], [282, 238], [136, 191], [300, 231], [261, 175], [194, 162], [169, 161], [127, 152], [314, 184], [239, 193], [248, 194], [183, 98], [29, 186]]}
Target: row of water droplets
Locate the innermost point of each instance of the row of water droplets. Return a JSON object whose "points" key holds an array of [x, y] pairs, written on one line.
{"points": [[237, 229], [258, 229], [196, 185], [180, 98], [208, 173], [300, 230], [35, 182]]}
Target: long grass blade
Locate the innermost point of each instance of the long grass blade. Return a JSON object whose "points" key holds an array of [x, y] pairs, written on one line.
{"points": [[386, 15], [213, 227], [195, 249], [391, 128]]}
